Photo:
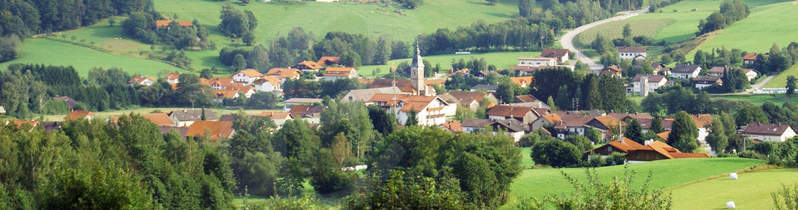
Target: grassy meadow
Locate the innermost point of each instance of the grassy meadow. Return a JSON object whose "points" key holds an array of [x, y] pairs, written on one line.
{"points": [[500, 59], [766, 25], [759, 99], [780, 80], [750, 191], [665, 174]]}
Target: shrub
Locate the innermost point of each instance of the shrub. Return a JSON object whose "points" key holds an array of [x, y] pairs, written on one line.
{"points": [[786, 198], [556, 153]]}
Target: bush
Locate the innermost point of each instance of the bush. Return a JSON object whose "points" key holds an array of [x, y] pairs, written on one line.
{"points": [[616, 158], [786, 198], [556, 153]]}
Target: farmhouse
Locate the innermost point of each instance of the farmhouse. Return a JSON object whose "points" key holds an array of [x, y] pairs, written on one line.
{"points": [[284, 73], [79, 114], [470, 100], [309, 66], [522, 81], [560, 54], [334, 73], [660, 69], [612, 71], [247, 76], [269, 84], [428, 110], [685, 71], [526, 115], [644, 84], [173, 78], [636, 152], [537, 62], [184, 118], [717, 71], [141, 81], [363, 95], [213, 130], [749, 58], [702, 82], [631, 53], [768, 132]]}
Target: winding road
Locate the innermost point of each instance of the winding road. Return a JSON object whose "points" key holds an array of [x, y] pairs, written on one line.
{"points": [[567, 40]]}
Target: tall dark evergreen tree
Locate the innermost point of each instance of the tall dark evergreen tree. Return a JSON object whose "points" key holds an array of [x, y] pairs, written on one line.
{"points": [[683, 133]]}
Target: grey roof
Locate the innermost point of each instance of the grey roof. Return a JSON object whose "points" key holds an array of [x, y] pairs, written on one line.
{"points": [[192, 115], [685, 68], [366, 94], [510, 125], [486, 87], [475, 123], [304, 100], [765, 129]]}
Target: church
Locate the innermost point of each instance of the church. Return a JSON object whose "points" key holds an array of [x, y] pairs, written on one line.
{"points": [[415, 86]]}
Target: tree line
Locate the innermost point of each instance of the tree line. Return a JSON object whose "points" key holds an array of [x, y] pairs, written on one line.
{"points": [[27, 17], [142, 26], [569, 89]]}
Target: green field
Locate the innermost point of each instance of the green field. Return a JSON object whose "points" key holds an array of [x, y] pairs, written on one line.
{"points": [[765, 26], [666, 173], [780, 80], [501, 60], [44, 51], [759, 99], [751, 191]]}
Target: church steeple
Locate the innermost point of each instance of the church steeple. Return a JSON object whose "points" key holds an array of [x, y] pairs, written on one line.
{"points": [[417, 71]]}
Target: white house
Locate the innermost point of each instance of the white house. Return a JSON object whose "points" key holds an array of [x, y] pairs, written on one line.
{"points": [[644, 84], [768, 132], [363, 95], [284, 73], [141, 81], [334, 73], [560, 54], [751, 74], [173, 78], [702, 82], [429, 110], [268, 84], [631, 53], [526, 115], [537, 62], [247, 76], [685, 71]]}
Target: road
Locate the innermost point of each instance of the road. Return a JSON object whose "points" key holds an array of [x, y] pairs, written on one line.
{"points": [[567, 40], [749, 91]]}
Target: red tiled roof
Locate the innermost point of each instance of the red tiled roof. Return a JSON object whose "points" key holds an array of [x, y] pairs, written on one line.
{"points": [[250, 73], [310, 65], [521, 81], [285, 73], [216, 129], [173, 76], [554, 53], [749, 56], [509, 111], [77, 115], [160, 119], [270, 79], [453, 126], [275, 115], [626, 145]]}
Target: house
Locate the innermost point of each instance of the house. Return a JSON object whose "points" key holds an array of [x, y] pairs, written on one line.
{"points": [[288, 104], [334, 73], [702, 82], [522, 81], [470, 100], [309, 113], [329, 60], [284, 73], [2, 110], [184, 118], [644, 84], [309, 66], [363, 95], [165, 23], [660, 69], [278, 118], [636, 152], [561, 55], [428, 110], [631, 53], [173, 78], [749, 58], [234, 92], [247, 76], [159, 119], [570, 123], [685, 71], [213, 130], [79, 114], [612, 71], [604, 124], [768, 132], [526, 115], [484, 88], [624, 145], [269, 84], [453, 126], [751, 74], [537, 62], [546, 120], [527, 70], [529, 101], [717, 71], [511, 127], [141, 81]]}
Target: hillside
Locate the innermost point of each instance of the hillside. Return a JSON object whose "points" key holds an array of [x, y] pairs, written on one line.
{"points": [[751, 191], [765, 26]]}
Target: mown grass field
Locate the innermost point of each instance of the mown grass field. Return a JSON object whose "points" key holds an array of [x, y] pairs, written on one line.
{"points": [[751, 191], [760, 99], [780, 80], [665, 174], [766, 25], [501, 60], [49, 52]]}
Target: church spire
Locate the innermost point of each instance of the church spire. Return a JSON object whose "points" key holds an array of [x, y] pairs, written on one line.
{"points": [[417, 72], [417, 57]]}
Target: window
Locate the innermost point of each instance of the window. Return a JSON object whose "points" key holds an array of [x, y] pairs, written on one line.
{"points": [[609, 149]]}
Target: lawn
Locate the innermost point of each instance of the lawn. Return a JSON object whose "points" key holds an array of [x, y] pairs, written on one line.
{"points": [[666, 173], [765, 26], [751, 191], [44, 51], [759, 99], [501, 60], [106, 114], [780, 80]]}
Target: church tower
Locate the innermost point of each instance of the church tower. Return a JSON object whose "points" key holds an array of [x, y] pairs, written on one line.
{"points": [[417, 72]]}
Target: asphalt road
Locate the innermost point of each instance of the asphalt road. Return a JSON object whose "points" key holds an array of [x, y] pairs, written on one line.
{"points": [[567, 40]]}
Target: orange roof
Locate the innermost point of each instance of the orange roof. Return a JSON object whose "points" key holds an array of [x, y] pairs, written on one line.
{"points": [[250, 73], [77, 115], [608, 121], [553, 118], [228, 93], [509, 111], [521, 81], [627, 145], [414, 103], [453, 126], [329, 59], [284, 73], [275, 115], [164, 23], [139, 79], [173, 76], [339, 69], [664, 135], [749, 56], [160, 119], [19, 123], [310, 65], [216, 129], [270, 79]]}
